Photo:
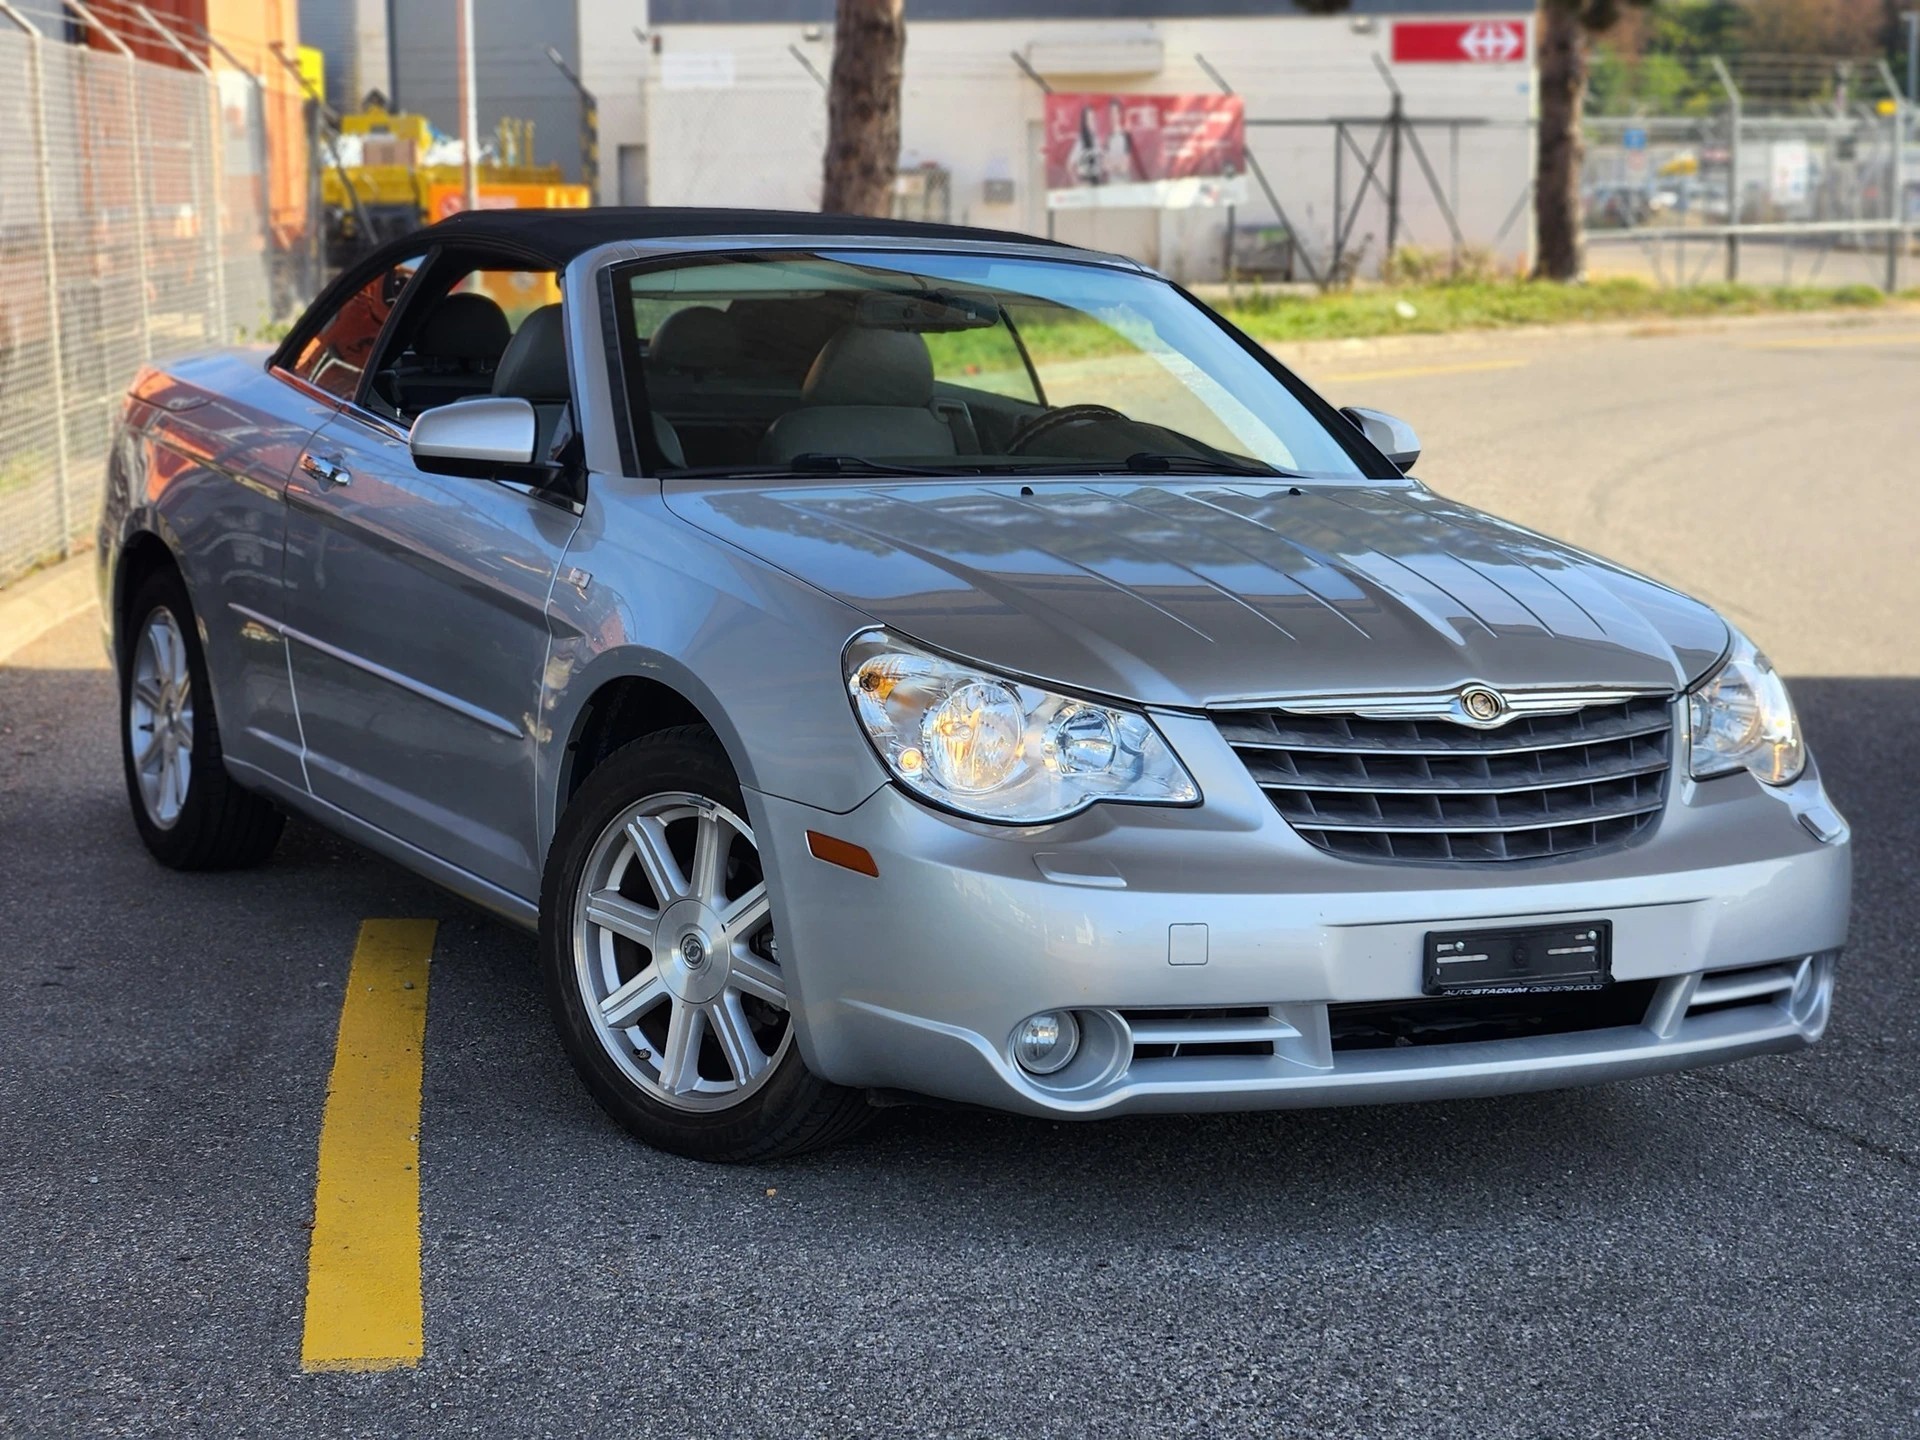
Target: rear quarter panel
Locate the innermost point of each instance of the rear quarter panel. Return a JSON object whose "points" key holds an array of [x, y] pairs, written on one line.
{"points": [[200, 461]]}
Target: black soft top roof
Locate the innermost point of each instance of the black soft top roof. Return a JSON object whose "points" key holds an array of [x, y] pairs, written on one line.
{"points": [[560, 235]]}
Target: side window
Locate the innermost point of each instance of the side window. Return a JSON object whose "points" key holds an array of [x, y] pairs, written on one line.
{"points": [[460, 339], [336, 355]]}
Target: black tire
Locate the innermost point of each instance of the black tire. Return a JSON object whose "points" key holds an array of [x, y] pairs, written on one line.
{"points": [[220, 825], [792, 1110]]}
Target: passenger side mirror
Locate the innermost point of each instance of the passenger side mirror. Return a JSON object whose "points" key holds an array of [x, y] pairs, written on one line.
{"points": [[475, 437], [1390, 435]]}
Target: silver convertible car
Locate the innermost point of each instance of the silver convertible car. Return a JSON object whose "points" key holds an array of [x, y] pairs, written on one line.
{"points": [[889, 662]]}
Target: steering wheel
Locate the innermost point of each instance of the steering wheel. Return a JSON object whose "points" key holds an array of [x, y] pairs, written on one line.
{"points": [[1043, 425]]}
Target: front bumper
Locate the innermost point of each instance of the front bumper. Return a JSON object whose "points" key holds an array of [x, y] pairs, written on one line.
{"points": [[1215, 959]]}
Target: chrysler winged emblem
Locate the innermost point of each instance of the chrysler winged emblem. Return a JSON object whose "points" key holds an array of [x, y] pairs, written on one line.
{"points": [[1483, 706]]}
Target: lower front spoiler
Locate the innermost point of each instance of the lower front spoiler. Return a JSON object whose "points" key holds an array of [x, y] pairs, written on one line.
{"points": [[1691, 1020]]}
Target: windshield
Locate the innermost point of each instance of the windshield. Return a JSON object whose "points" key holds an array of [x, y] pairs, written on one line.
{"points": [[857, 362]]}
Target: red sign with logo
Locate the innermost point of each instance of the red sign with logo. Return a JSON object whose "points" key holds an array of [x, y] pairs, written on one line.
{"points": [[1459, 42]]}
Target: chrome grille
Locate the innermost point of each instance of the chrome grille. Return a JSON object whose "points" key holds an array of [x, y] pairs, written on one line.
{"points": [[1434, 790]]}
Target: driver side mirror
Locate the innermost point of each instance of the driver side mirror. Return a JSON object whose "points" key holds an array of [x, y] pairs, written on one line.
{"points": [[1390, 435], [476, 438]]}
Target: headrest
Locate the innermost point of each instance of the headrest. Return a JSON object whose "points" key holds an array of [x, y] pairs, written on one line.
{"points": [[860, 366], [464, 326], [535, 365], [668, 439], [694, 341]]}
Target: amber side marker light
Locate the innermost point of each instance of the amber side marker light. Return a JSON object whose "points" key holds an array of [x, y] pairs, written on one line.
{"points": [[844, 853]]}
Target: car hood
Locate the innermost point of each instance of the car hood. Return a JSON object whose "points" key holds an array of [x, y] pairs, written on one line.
{"points": [[1204, 592]]}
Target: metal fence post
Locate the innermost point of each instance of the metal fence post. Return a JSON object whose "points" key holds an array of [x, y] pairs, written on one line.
{"points": [[1733, 164], [37, 82], [1896, 181], [216, 203], [1896, 237], [135, 164], [1397, 118]]}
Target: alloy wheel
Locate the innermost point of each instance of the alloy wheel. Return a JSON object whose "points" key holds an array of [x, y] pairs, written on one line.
{"points": [[160, 718], [675, 953]]}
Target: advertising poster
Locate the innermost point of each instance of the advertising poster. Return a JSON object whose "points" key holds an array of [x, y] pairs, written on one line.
{"points": [[1157, 152]]}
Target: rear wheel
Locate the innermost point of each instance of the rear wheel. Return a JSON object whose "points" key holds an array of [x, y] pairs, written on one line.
{"points": [[189, 812], [663, 967]]}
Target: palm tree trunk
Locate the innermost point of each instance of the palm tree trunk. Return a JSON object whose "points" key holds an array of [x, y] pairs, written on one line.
{"points": [[1559, 249], [863, 107]]}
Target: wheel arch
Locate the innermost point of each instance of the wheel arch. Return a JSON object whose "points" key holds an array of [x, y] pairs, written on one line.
{"points": [[625, 705]]}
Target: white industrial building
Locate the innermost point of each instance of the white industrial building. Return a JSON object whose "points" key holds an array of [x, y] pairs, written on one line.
{"points": [[722, 102]]}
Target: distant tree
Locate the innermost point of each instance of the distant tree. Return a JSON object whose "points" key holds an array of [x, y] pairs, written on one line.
{"points": [[1813, 27], [863, 107]]}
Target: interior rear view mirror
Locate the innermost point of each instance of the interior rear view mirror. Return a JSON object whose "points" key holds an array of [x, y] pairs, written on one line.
{"points": [[1390, 435], [932, 310]]}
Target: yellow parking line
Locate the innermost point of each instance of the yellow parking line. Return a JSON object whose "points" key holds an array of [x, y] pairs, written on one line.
{"points": [[1410, 372], [1831, 342], [363, 1270]]}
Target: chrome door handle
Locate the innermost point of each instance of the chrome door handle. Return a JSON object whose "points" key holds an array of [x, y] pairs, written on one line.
{"points": [[325, 471]]}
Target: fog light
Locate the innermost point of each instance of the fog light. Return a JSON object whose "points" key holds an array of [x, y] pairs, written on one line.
{"points": [[1045, 1042]]}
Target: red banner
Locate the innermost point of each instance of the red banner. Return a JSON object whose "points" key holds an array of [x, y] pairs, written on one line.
{"points": [[1459, 42], [1120, 140]]}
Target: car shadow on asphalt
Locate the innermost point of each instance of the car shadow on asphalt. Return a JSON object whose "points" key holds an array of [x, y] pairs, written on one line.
{"points": [[491, 1049]]}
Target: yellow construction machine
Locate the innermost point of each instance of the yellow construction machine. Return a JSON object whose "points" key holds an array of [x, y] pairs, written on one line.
{"points": [[389, 173]]}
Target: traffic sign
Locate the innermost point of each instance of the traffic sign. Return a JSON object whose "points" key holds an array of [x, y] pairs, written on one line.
{"points": [[1459, 42], [1634, 139]]}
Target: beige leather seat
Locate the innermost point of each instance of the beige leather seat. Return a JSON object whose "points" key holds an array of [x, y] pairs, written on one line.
{"points": [[869, 393]]}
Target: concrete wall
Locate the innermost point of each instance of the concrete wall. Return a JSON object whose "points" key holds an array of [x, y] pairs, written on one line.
{"points": [[249, 29], [732, 117], [614, 63]]}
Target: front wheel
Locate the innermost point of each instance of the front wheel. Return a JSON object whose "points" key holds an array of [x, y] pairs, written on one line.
{"points": [[663, 967]]}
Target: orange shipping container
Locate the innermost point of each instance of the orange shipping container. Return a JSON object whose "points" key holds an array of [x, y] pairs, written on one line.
{"points": [[250, 29]]}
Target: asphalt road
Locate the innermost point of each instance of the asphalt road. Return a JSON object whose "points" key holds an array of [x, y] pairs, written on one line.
{"points": [[1734, 1252]]}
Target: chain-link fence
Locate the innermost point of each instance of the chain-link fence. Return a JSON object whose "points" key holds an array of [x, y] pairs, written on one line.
{"points": [[1780, 176], [131, 228]]}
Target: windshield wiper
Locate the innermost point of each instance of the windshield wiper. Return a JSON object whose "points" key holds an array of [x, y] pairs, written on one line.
{"points": [[1150, 462], [810, 463], [1147, 462], [815, 462], [1144, 462]]}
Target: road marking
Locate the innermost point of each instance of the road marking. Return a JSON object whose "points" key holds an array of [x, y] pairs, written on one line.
{"points": [[1832, 342], [1410, 372], [363, 1270]]}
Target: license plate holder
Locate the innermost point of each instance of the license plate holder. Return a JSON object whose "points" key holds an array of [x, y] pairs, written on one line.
{"points": [[1576, 956]]}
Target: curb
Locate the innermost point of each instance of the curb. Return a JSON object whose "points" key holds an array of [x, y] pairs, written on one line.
{"points": [[44, 601]]}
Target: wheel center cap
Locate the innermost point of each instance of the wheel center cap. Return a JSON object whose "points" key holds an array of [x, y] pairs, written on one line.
{"points": [[693, 966]]}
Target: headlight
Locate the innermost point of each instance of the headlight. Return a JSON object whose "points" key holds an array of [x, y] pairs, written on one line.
{"points": [[998, 749], [1742, 719]]}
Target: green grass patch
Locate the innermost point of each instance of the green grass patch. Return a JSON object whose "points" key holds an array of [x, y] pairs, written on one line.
{"points": [[1502, 304], [987, 359]]}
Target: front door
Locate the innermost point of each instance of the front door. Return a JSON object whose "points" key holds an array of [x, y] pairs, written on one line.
{"points": [[416, 624]]}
